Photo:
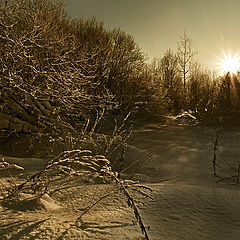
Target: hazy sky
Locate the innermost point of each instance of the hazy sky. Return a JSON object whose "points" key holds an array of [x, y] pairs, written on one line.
{"points": [[157, 25]]}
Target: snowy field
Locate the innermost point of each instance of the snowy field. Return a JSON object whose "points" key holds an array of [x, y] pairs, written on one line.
{"points": [[187, 202]]}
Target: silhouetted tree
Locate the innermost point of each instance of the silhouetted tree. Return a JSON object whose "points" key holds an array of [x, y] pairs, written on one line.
{"points": [[185, 53], [225, 92], [202, 92]]}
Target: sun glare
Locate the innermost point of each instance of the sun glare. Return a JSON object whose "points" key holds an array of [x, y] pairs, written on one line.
{"points": [[229, 64]]}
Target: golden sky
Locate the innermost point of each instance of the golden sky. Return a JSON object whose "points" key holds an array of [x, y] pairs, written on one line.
{"points": [[157, 25]]}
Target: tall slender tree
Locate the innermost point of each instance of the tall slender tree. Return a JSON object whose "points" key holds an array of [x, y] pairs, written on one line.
{"points": [[185, 54]]}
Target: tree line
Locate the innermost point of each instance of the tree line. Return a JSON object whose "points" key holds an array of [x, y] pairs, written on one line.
{"points": [[56, 72]]}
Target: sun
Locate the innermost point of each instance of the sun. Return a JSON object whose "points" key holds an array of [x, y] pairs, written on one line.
{"points": [[229, 64]]}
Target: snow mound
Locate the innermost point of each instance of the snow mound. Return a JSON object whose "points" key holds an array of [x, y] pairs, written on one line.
{"points": [[28, 202]]}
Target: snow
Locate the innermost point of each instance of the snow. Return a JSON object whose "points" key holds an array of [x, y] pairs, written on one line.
{"points": [[187, 202], [191, 205], [186, 211]]}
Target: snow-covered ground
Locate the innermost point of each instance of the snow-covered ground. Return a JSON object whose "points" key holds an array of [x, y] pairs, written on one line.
{"points": [[191, 205], [187, 202]]}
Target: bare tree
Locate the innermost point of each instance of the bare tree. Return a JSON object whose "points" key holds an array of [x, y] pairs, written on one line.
{"points": [[168, 68], [47, 79], [185, 54], [167, 80]]}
